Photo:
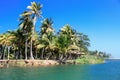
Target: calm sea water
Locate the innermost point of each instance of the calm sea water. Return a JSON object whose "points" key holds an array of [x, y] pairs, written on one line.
{"points": [[106, 71]]}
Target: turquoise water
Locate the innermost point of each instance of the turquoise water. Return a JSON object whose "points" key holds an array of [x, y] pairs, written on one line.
{"points": [[106, 71]]}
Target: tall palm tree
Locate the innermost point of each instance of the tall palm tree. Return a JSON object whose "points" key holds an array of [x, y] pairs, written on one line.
{"points": [[35, 12], [26, 27]]}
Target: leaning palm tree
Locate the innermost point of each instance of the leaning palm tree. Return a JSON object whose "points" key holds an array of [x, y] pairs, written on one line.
{"points": [[35, 12]]}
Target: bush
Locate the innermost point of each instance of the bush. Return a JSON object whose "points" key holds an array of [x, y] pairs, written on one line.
{"points": [[89, 59]]}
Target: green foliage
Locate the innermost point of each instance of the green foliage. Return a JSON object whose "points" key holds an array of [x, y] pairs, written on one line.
{"points": [[27, 43], [100, 54], [86, 59], [11, 56]]}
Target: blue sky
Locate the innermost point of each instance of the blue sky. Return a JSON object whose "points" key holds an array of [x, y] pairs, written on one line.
{"points": [[99, 19]]}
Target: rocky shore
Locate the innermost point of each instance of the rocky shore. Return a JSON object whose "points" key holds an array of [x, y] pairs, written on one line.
{"points": [[37, 63], [27, 63]]}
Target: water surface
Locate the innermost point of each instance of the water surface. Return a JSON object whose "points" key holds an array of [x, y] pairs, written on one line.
{"points": [[106, 71]]}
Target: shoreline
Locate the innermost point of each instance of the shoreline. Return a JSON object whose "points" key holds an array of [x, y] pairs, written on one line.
{"points": [[27, 63], [36, 63]]}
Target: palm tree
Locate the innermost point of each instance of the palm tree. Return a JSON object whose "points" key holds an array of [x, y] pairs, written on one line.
{"points": [[3, 43], [46, 34], [6, 41], [71, 41], [26, 27], [62, 44], [34, 12], [46, 28], [83, 42], [18, 42], [65, 40], [71, 34]]}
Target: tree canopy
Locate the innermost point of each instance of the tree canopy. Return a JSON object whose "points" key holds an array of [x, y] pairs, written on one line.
{"points": [[27, 43]]}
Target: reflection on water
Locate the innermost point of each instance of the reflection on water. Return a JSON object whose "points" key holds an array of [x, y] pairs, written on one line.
{"points": [[106, 71]]}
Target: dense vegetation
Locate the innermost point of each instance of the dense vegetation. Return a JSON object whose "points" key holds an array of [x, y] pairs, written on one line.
{"points": [[27, 43], [93, 57]]}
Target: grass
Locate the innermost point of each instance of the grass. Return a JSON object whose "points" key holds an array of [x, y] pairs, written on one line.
{"points": [[89, 59]]}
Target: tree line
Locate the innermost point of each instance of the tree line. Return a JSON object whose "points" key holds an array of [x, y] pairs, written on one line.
{"points": [[27, 43]]}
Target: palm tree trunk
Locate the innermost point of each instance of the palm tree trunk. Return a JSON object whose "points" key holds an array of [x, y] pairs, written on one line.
{"points": [[31, 53], [34, 22], [61, 57], [36, 56], [42, 53], [35, 51], [70, 57], [26, 49], [8, 52], [31, 42], [4, 52], [14, 54], [19, 52], [49, 55]]}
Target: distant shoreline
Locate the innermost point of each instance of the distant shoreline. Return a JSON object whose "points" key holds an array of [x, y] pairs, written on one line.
{"points": [[113, 58]]}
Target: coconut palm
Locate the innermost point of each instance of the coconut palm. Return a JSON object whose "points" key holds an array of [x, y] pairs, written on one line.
{"points": [[26, 27], [6, 41], [64, 40], [35, 12], [62, 44], [18, 42], [71, 41], [70, 33], [46, 34], [46, 28]]}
